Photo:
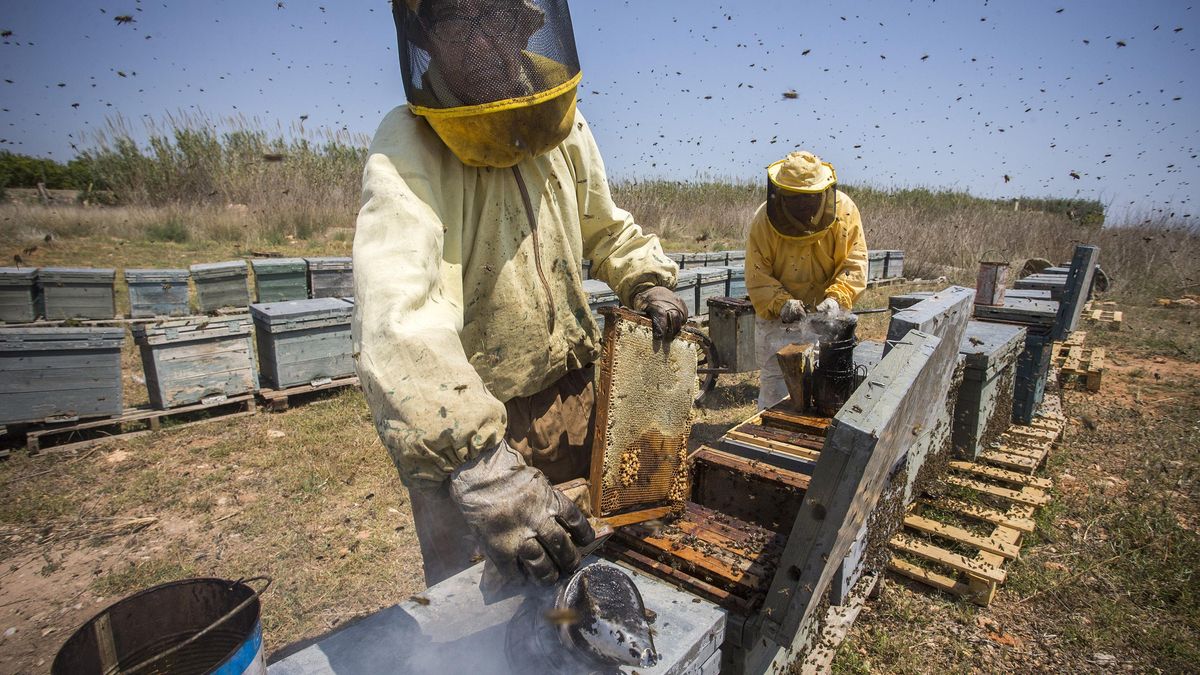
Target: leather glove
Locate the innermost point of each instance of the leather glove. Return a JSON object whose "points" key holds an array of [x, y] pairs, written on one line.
{"points": [[828, 306], [792, 311], [665, 309], [522, 522]]}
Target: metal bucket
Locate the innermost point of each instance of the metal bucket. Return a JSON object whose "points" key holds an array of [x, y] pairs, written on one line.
{"points": [[188, 627], [834, 378]]}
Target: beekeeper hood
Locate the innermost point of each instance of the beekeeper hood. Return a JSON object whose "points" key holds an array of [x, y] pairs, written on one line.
{"points": [[495, 79], [801, 194]]}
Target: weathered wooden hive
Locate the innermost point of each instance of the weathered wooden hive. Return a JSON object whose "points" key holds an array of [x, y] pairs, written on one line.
{"points": [[157, 293], [731, 328], [715, 258], [599, 295], [280, 279], [685, 287], [77, 292], [59, 374], [18, 294], [876, 265], [331, 277], [984, 406], [737, 282], [187, 361], [893, 264], [1055, 283], [220, 285], [303, 341]]}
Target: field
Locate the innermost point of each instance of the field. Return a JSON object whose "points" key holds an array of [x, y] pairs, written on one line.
{"points": [[309, 496]]}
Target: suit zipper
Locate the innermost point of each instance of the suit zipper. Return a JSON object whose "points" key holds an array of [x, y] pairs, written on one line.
{"points": [[537, 246]]}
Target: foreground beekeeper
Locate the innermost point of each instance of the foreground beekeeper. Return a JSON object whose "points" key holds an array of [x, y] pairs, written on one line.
{"points": [[474, 338], [806, 253]]}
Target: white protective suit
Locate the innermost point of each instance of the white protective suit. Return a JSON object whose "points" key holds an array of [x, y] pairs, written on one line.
{"points": [[462, 304]]}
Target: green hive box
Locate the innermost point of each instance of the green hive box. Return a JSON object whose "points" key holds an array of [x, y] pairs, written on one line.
{"points": [[77, 293], [157, 293], [189, 360], [303, 341], [983, 409], [59, 374], [280, 279], [220, 285], [18, 294]]}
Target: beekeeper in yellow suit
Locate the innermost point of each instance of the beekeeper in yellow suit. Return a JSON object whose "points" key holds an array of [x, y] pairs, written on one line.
{"points": [[806, 253], [473, 334]]}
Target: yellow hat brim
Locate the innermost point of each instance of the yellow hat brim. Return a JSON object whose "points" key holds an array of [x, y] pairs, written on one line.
{"points": [[828, 177]]}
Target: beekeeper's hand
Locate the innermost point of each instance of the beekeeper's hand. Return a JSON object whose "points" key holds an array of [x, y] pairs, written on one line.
{"points": [[792, 311], [828, 306], [665, 309], [524, 525]]}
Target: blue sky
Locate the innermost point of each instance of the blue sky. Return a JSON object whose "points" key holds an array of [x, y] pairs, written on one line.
{"points": [[684, 89]]}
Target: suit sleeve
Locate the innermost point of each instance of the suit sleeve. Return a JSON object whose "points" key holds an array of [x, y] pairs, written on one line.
{"points": [[850, 278], [767, 293]]}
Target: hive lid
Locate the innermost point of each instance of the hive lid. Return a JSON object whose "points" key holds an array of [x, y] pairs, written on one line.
{"points": [[192, 328], [711, 274], [989, 347], [278, 265], [219, 269], [329, 263], [155, 275], [76, 274], [64, 337], [17, 275], [294, 314]]}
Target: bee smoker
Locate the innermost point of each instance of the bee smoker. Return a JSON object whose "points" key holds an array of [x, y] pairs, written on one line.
{"points": [[834, 378]]}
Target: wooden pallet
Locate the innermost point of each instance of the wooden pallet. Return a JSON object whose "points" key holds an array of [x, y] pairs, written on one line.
{"points": [[934, 536], [135, 422], [1024, 447], [1107, 318], [276, 400], [1082, 366]]}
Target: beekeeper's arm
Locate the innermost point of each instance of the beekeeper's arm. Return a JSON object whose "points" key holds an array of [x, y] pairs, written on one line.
{"points": [[430, 407], [630, 261], [850, 277], [767, 293]]}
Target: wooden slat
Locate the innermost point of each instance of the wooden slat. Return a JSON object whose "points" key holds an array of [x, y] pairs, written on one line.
{"points": [[633, 517], [954, 561], [1010, 460], [1001, 474], [795, 451], [928, 577], [1027, 495], [962, 536], [808, 424], [984, 513]]}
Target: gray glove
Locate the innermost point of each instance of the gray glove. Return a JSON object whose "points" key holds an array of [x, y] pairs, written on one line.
{"points": [[792, 311], [523, 523], [828, 306], [665, 309]]}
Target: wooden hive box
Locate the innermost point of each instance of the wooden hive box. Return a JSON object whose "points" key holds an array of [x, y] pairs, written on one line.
{"points": [[685, 287], [599, 295], [280, 279], [189, 361], [303, 341], [1033, 369], [59, 374], [585, 269], [1055, 283], [876, 265], [737, 282], [715, 258], [893, 264], [983, 409], [713, 282], [77, 293], [157, 293], [331, 277], [18, 294], [731, 328], [220, 285]]}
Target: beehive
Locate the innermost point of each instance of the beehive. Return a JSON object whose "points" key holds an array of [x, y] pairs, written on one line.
{"points": [[77, 292], [984, 405], [737, 282], [685, 287], [18, 294], [1033, 369], [303, 341], [280, 279], [330, 277], [189, 360], [893, 264], [220, 285], [713, 283], [731, 328], [157, 293], [876, 264], [643, 416], [56, 373]]}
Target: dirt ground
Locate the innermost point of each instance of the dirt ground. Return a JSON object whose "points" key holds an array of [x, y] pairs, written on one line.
{"points": [[309, 497]]}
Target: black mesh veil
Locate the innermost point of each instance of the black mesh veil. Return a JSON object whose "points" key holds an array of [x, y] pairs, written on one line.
{"points": [[456, 53]]}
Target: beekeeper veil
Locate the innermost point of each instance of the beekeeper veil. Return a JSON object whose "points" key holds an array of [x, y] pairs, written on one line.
{"points": [[801, 194], [496, 79]]}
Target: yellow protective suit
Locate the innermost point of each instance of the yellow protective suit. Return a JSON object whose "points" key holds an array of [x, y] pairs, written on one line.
{"points": [[829, 263], [461, 305]]}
